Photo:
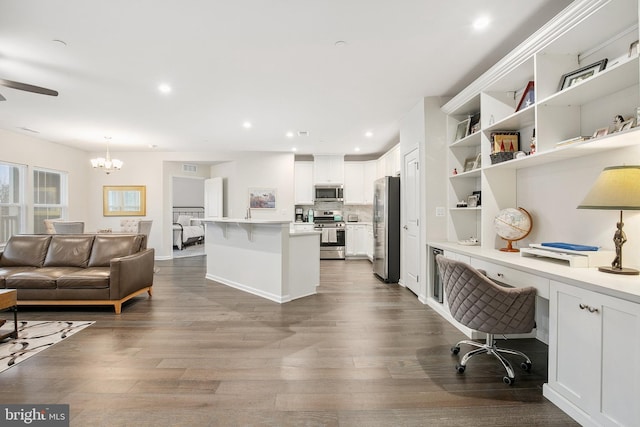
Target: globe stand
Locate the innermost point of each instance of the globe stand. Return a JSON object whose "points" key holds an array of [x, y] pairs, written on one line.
{"points": [[510, 247]]}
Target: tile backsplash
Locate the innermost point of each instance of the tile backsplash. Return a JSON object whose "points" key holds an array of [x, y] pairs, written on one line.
{"points": [[364, 212]]}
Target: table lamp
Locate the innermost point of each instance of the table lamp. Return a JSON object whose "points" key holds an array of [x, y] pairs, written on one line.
{"points": [[617, 188]]}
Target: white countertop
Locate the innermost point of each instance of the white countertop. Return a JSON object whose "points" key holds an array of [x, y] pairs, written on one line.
{"points": [[616, 285], [247, 221]]}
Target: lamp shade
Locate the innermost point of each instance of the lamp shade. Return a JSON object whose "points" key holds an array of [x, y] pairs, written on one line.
{"points": [[617, 188]]}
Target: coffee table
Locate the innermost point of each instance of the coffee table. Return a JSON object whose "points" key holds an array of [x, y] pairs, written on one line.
{"points": [[9, 301]]}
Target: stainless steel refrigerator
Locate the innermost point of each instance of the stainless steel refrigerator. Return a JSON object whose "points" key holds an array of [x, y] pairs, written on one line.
{"points": [[386, 229]]}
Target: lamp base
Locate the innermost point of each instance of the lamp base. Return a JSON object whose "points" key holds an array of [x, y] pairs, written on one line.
{"points": [[621, 270]]}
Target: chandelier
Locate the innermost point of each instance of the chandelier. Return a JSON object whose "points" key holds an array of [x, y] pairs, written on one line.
{"points": [[107, 164]]}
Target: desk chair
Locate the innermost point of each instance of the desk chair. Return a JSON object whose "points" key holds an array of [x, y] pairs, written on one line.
{"points": [[68, 227], [481, 304]]}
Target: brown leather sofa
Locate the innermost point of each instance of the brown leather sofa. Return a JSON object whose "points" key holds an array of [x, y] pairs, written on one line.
{"points": [[80, 269]]}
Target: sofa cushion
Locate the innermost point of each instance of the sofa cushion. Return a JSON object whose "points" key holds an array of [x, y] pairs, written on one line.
{"points": [[105, 248], [8, 271], [42, 278], [69, 251], [88, 278], [27, 251]]}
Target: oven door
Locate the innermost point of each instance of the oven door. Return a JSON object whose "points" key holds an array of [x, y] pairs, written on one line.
{"points": [[332, 242]]}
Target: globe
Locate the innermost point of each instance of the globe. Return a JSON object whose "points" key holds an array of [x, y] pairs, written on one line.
{"points": [[512, 224]]}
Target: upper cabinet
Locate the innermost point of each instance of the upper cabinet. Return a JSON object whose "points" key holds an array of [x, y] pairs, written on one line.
{"points": [[303, 183], [328, 169], [389, 163], [551, 99], [358, 182]]}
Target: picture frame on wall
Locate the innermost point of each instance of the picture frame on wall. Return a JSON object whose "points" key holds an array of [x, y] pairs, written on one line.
{"points": [[528, 97], [262, 198], [581, 74], [462, 130]]}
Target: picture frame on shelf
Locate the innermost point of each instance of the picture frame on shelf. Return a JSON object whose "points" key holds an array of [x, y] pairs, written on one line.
{"points": [[627, 124], [478, 161], [633, 49], [472, 201], [600, 132], [505, 141], [581, 74], [469, 164], [462, 130], [528, 97], [474, 123]]}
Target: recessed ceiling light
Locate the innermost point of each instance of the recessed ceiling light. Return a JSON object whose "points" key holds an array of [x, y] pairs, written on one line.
{"points": [[164, 88], [368, 134], [340, 43], [356, 149], [481, 23], [247, 125], [294, 149], [289, 134]]}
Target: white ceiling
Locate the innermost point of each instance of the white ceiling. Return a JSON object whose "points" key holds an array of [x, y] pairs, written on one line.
{"points": [[272, 62]]}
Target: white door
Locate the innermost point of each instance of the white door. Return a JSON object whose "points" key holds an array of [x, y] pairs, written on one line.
{"points": [[411, 229], [213, 197]]}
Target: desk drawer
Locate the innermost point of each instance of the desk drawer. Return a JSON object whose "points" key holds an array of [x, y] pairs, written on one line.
{"points": [[513, 277]]}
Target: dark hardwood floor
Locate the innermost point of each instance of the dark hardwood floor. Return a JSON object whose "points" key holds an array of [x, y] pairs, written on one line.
{"points": [[359, 353]]}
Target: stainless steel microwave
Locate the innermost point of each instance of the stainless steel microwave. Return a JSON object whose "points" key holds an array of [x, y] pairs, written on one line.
{"points": [[328, 193]]}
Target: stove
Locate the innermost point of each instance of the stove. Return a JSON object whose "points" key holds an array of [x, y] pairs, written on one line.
{"points": [[332, 240]]}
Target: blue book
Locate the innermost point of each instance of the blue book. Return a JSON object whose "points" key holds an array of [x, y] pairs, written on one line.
{"points": [[570, 246]]}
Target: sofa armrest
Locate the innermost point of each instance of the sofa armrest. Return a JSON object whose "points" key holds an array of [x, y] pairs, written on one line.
{"points": [[131, 273]]}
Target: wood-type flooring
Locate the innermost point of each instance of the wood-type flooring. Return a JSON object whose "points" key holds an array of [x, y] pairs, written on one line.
{"points": [[359, 353]]}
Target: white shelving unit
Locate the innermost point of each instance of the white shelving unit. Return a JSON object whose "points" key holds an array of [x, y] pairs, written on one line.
{"points": [[586, 32]]}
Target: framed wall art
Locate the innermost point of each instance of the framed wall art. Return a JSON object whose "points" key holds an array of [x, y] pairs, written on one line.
{"points": [[124, 200], [262, 198]]}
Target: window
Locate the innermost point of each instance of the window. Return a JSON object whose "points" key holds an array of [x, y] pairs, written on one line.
{"points": [[49, 197], [12, 203]]}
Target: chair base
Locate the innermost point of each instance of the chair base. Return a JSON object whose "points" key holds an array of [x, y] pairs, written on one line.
{"points": [[489, 347]]}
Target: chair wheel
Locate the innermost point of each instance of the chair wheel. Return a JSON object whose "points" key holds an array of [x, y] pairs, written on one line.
{"points": [[508, 381], [455, 350], [526, 366], [460, 368]]}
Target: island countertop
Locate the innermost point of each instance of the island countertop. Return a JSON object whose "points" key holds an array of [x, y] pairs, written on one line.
{"points": [[246, 221]]}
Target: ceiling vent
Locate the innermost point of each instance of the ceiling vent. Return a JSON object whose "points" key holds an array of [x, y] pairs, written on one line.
{"points": [[189, 168], [303, 133]]}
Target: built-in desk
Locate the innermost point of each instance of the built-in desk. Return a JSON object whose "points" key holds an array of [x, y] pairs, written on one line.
{"points": [[263, 257], [593, 324]]}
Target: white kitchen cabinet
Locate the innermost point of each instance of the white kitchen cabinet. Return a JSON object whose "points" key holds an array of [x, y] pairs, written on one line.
{"points": [[328, 169], [369, 179], [353, 183], [594, 350], [356, 240], [358, 182], [303, 173]]}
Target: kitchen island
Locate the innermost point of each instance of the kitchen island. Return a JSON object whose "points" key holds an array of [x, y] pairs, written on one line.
{"points": [[263, 257]]}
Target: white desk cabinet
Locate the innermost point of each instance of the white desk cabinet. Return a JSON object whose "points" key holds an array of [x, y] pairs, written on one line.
{"points": [[594, 356]]}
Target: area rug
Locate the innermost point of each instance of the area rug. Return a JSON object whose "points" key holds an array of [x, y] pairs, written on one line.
{"points": [[33, 337]]}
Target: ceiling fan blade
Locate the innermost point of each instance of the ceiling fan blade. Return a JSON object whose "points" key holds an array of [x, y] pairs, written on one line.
{"points": [[28, 88]]}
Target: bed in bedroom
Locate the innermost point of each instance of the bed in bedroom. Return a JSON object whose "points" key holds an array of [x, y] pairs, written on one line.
{"points": [[188, 228]]}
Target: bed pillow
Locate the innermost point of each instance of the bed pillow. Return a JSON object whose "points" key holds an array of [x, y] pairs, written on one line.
{"points": [[184, 220]]}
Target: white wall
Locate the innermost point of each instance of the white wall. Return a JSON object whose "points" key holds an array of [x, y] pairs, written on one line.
{"points": [[188, 191], [33, 152], [258, 170], [551, 193]]}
